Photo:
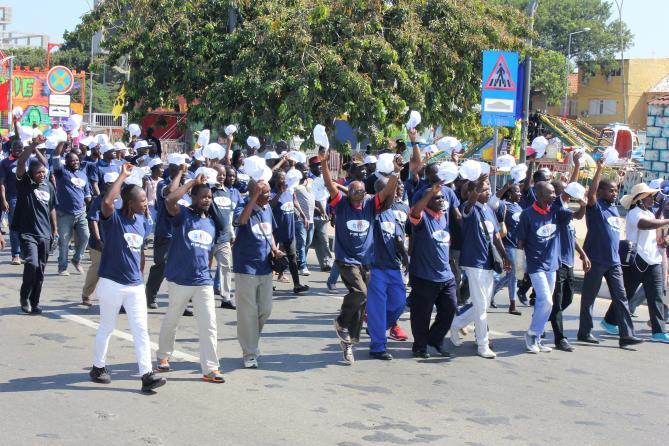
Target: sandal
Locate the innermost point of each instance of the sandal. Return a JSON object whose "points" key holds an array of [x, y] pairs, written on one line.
{"points": [[215, 377], [283, 279], [163, 367]]}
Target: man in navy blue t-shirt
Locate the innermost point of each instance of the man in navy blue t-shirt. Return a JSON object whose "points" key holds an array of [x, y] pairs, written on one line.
{"points": [[188, 277], [8, 195], [354, 234], [601, 245]]}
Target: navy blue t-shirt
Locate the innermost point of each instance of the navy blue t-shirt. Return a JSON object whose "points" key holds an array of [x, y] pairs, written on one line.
{"points": [[104, 167], [34, 203], [401, 211], [192, 240], [91, 169], [93, 214], [253, 243], [387, 229], [511, 213], [8, 172], [431, 245], [601, 242], [284, 216], [121, 256], [475, 252], [540, 235], [162, 224], [71, 188], [242, 181], [354, 230], [528, 198], [224, 202]]}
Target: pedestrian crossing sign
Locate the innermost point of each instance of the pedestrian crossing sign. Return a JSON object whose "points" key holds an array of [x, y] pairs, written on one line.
{"points": [[500, 77], [499, 86]]}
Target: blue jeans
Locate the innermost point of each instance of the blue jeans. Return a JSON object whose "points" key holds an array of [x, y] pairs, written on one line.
{"points": [[334, 274], [13, 235], [67, 224], [508, 279], [543, 283], [303, 238], [386, 298]]}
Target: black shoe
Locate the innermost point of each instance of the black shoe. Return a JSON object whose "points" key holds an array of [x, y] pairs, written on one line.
{"points": [[188, 312], [440, 349], [522, 298], [590, 339], [122, 310], [25, 308], [100, 375], [228, 304], [36, 310], [383, 356], [217, 292], [150, 381], [301, 289], [422, 354], [564, 345], [153, 305], [532, 301], [493, 305], [326, 269], [626, 341]]}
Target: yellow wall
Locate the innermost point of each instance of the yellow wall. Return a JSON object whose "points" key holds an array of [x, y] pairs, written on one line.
{"points": [[641, 75]]}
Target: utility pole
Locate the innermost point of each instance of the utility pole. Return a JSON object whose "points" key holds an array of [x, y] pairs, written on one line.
{"points": [[531, 10], [619, 4]]}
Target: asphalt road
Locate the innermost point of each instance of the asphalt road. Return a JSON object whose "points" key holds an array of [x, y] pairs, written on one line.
{"points": [[303, 394]]}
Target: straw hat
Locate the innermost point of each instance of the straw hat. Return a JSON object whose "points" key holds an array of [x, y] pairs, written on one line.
{"points": [[638, 192]]}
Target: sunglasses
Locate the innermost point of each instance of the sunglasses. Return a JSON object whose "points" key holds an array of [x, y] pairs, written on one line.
{"points": [[357, 191], [438, 197]]}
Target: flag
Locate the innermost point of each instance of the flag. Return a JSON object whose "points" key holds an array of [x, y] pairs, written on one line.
{"points": [[119, 103]]}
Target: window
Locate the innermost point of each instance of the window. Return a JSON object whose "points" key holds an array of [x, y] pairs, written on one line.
{"points": [[602, 107]]}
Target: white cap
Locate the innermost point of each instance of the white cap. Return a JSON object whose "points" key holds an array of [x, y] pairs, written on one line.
{"points": [[88, 141], [385, 163], [321, 137], [610, 155], [134, 130], [104, 148], [370, 159], [208, 172], [73, 123], [110, 177], [575, 190], [230, 129], [539, 144], [485, 168], [120, 146], [203, 138], [198, 155], [155, 162], [518, 172], [177, 159], [293, 178], [102, 139], [253, 142], [414, 120], [141, 144], [58, 135], [470, 170], [505, 163], [297, 156], [272, 155], [448, 172], [41, 146], [254, 166], [25, 133], [17, 112], [213, 151], [448, 144], [88, 128]]}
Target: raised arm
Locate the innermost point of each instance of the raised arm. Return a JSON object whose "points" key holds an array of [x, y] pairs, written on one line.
{"points": [[107, 206], [419, 207], [475, 188], [228, 148], [577, 167], [528, 177], [592, 190], [327, 177], [23, 159], [391, 186], [171, 201], [253, 201], [416, 160]]}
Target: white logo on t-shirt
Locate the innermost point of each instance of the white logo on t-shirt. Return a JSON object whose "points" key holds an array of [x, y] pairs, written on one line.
{"points": [[388, 226], [442, 236], [614, 222], [222, 202], [242, 177], [200, 238], [288, 207], [14, 169], [183, 202], [360, 227], [78, 182], [263, 229], [445, 206], [42, 195], [516, 217], [133, 240], [489, 226], [571, 227], [400, 216], [546, 230]]}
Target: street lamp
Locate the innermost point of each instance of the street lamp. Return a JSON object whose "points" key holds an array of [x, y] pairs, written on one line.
{"points": [[566, 90]]}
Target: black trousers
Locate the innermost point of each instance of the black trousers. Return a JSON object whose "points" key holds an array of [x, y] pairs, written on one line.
{"points": [[35, 252], [289, 249], [161, 246], [425, 295], [650, 276], [563, 295], [356, 278]]}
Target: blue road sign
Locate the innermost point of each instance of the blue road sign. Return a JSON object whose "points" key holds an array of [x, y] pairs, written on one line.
{"points": [[498, 90]]}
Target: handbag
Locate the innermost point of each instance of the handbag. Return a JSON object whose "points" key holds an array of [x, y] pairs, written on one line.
{"points": [[278, 264], [497, 263]]}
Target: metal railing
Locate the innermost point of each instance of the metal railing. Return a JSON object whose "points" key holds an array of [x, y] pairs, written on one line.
{"points": [[105, 120]]}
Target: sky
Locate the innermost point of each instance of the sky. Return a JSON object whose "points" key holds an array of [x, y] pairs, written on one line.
{"points": [[646, 19]]}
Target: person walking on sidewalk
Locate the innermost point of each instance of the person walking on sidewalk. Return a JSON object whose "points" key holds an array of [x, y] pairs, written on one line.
{"points": [[320, 241], [187, 274], [120, 281]]}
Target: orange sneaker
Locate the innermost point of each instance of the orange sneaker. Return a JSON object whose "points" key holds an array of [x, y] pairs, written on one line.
{"points": [[397, 333]]}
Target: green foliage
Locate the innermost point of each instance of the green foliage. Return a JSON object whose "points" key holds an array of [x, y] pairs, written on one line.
{"points": [[291, 64], [36, 57], [548, 75]]}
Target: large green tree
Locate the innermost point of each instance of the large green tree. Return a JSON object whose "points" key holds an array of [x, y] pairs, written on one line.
{"points": [[290, 64]]}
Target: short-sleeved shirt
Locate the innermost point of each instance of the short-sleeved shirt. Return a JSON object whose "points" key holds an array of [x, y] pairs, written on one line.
{"points": [[645, 239], [192, 240], [91, 169], [528, 198], [354, 229], [104, 167], [284, 216], [242, 181], [121, 255], [431, 245], [34, 203], [510, 212], [253, 243], [401, 211], [93, 214], [387, 230], [601, 241], [567, 234], [224, 202], [8, 173], [538, 229], [475, 252], [163, 226], [71, 188]]}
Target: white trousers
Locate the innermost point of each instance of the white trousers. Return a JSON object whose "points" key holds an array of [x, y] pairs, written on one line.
{"points": [[112, 296], [205, 315], [223, 256], [480, 291]]}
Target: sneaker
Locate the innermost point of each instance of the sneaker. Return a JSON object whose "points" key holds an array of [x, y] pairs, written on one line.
{"points": [[251, 362], [188, 312], [383, 356], [153, 305], [36, 310], [397, 333], [78, 268], [544, 348], [214, 377], [486, 353], [347, 350], [228, 304], [332, 288], [609, 328], [25, 308], [150, 381], [305, 272], [456, 340], [660, 337], [301, 289], [100, 375], [522, 298], [64, 273], [532, 343], [342, 333], [564, 345]]}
